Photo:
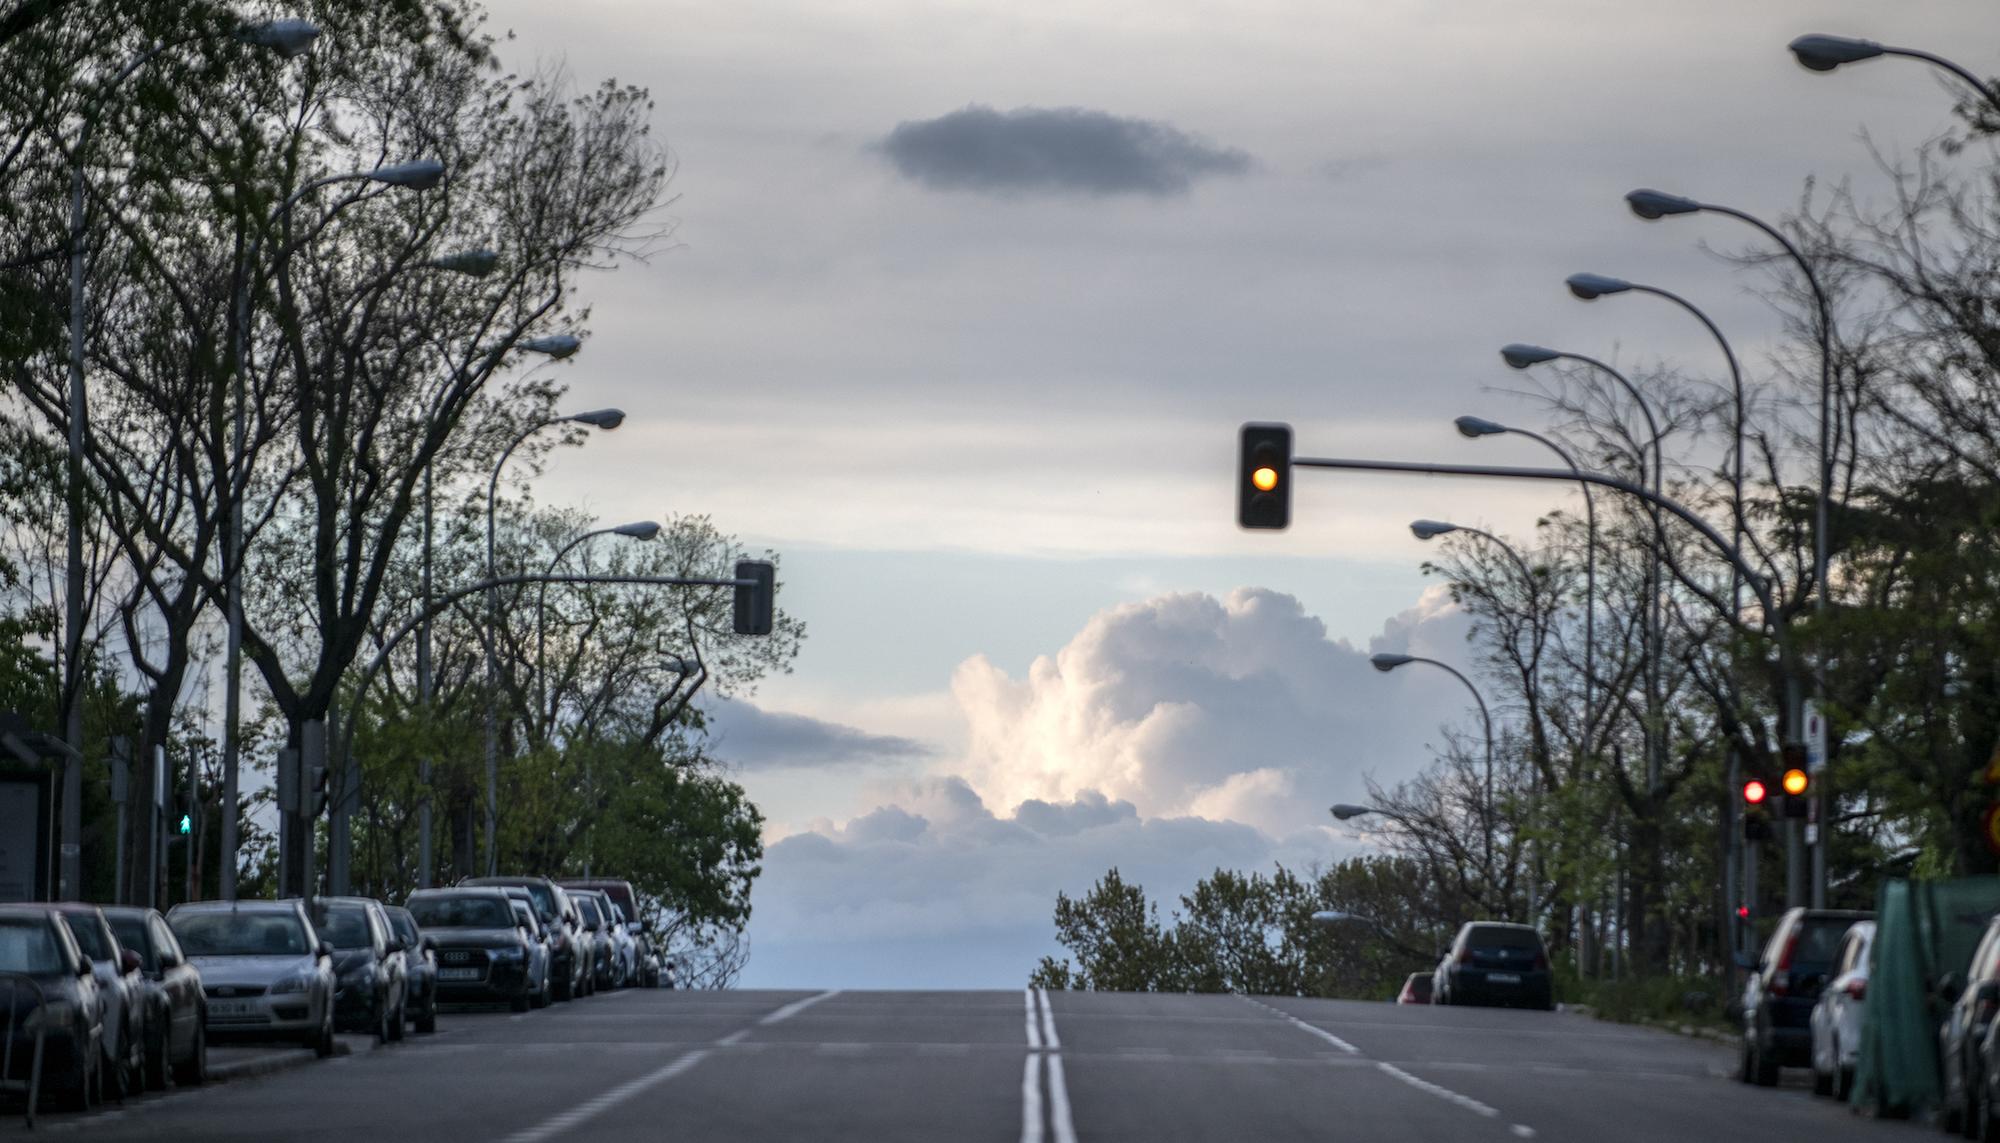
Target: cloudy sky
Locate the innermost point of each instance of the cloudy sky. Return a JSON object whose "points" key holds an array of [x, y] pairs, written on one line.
{"points": [[968, 301]]}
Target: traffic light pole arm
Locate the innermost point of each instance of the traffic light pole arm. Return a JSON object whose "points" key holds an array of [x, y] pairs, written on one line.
{"points": [[1729, 552]]}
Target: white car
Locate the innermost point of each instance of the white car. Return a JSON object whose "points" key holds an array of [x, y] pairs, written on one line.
{"points": [[124, 996], [263, 967], [1836, 1019]]}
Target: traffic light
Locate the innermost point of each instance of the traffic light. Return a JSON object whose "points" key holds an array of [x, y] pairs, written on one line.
{"points": [[1756, 810], [756, 601], [1264, 477], [1754, 793], [186, 824]]}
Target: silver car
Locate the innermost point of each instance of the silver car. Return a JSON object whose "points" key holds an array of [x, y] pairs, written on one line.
{"points": [[538, 945], [263, 968]]}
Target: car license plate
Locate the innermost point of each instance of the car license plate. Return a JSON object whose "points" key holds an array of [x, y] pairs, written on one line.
{"points": [[460, 973], [1503, 978], [232, 1007]]}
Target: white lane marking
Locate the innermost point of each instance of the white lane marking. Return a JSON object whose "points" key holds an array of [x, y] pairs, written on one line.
{"points": [[798, 1006], [591, 1108], [1523, 1131], [1322, 1033], [1049, 1036], [1064, 1130], [1034, 1028], [734, 1038], [1031, 1096], [1444, 1093]]}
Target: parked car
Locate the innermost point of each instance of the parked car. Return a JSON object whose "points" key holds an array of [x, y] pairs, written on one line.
{"points": [[36, 942], [1975, 1001], [603, 959], [264, 969], [1836, 1016], [1786, 982], [482, 949], [176, 1041], [1491, 962], [569, 954], [122, 992], [370, 973], [420, 965], [615, 932], [538, 946], [1416, 989]]}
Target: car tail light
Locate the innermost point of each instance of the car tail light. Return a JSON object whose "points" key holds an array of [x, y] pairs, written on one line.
{"points": [[1857, 988], [1465, 955], [1541, 961]]}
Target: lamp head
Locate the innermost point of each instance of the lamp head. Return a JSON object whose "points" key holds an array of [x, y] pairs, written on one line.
{"points": [[1430, 529], [289, 38], [642, 530], [606, 419], [1590, 287], [1520, 355], [1651, 204], [1816, 52], [556, 345], [1476, 427], [1345, 810], [1386, 661], [472, 263], [418, 174]]}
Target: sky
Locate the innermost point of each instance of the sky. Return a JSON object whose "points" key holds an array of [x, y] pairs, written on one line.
{"points": [[966, 302]]}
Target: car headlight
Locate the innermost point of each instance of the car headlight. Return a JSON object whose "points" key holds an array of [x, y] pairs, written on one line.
{"points": [[515, 953], [359, 974], [297, 982]]}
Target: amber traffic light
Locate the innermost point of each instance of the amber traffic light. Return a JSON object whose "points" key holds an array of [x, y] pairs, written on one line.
{"points": [[1795, 782], [1264, 476]]}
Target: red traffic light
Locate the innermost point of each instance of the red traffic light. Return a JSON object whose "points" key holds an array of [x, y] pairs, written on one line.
{"points": [[1753, 792], [1742, 912]]}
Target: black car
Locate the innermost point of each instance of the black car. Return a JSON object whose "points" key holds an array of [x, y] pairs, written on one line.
{"points": [[1495, 963], [483, 954], [370, 970], [1778, 998], [420, 968], [176, 1010], [568, 971], [36, 943]]}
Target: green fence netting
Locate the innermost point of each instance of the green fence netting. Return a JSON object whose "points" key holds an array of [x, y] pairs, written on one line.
{"points": [[1924, 930]]}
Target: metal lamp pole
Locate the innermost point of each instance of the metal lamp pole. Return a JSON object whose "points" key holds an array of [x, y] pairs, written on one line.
{"points": [[1386, 662], [419, 175], [560, 346]]}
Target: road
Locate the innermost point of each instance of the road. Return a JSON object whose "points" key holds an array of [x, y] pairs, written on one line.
{"points": [[1012, 1066]]}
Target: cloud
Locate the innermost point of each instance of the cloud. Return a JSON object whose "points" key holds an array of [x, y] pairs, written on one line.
{"points": [[1054, 150], [754, 738], [1235, 708]]}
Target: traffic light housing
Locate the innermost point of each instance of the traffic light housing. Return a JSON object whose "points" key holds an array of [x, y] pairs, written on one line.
{"points": [[756, 596], [1796, 781], [1756, 810], [1264, 477]]}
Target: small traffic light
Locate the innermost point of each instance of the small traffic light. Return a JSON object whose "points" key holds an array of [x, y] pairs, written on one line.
{"points": [[1264, 477], [1742, 912], [1754, 792], [1796, 783], [756, 600], [187, 824]]}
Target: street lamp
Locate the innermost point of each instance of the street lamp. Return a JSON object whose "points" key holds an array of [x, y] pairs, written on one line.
{"points": [[1431, 529], [1473, 428], [289, 38], [1522, 356], [1651, 205], [476, 263], [1819, 52], [559, 345], [642, 530], [421, 174], [1385, 661]]}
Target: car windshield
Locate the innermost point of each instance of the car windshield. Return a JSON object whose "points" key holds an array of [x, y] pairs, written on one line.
{"points": [[523, 914], [90, 936], [239, 934], [343, 926], [1501, 937], [588, 909], [405, 926], [27, 945], [463, 913], [1818, 943], [131, 932]]}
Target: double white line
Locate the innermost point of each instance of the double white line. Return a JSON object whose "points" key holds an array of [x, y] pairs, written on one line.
{"points": [[1044, 1059]]}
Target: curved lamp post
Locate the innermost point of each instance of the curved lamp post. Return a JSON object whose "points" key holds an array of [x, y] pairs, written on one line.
{"points": [[1817, 51], [559, 346], [1385, 662], [1652, 205], [421, 174], [1523, 356]]}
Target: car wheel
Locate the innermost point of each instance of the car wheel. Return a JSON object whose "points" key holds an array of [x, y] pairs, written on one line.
{"points": [[1763, 1070], [1822, 1081], [519, 1003], [382, 1014], [155, 1070], [322, 1045], [396, 1025], [427, 1016], [118, 1068], [193, 1071]]}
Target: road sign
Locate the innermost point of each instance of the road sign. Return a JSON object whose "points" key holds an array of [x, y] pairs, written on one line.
{"points": [[1815, 739]]}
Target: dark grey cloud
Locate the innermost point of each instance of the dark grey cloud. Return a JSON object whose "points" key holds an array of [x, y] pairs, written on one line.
{"points": [[767, 739], [1054, 150]]}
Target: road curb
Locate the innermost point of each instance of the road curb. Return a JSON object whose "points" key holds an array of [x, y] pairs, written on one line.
{"points": [[264, 1063]]}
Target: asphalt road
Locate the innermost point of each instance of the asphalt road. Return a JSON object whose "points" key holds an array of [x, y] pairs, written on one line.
{"points": [[1013, 1066]]}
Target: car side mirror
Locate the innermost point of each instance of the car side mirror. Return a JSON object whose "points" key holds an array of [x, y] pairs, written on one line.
{"points": [[129, 961], [429, 943], [395, 944], [84, 969], [325, 949], [1947, 986], [1987, 994]]}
